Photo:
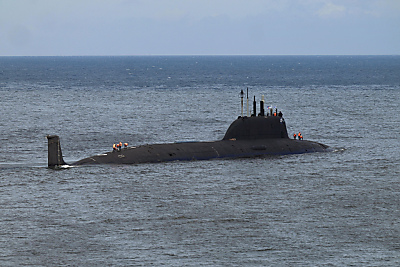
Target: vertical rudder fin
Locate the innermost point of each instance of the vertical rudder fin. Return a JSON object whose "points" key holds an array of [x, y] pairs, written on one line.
{"points": [[55, 158]]}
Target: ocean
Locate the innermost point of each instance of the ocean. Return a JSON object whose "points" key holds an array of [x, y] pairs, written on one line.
{"points": [[340, 208]]}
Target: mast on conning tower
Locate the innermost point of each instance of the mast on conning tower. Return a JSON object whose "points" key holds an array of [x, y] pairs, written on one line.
{"points": [[262, 106], [254, 107], [241, 100], [247, 101]]}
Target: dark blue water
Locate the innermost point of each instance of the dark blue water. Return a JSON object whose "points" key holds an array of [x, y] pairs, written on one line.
{"points": [[325, 209]]}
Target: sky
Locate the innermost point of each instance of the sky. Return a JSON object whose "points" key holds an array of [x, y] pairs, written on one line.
{"points": [[199, 27]]}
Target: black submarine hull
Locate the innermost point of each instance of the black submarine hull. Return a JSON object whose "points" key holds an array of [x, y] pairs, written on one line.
{"points": [[204, 151]]}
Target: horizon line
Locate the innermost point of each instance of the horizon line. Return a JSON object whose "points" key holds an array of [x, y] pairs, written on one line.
{"points": [[197, 55]]}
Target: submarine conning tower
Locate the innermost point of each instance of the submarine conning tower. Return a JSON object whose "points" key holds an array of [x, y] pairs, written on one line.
{"points": [[264, 126], [260, 127]]}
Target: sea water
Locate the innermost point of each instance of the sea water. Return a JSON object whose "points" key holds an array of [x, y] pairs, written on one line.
{"points": [[340, 208]]}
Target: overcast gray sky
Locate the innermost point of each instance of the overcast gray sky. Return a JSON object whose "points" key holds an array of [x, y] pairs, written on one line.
{"points": [[199, 27]]}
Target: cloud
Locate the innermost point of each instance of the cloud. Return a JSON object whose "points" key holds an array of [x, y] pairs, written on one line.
{"points": [[330, 10]]}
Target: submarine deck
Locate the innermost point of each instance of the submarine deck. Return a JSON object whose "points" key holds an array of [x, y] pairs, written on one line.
{"points": [[187, 151]]}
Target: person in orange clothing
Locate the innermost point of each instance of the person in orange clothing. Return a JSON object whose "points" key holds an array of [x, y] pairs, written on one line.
{"points": [[125, 145], [294, 136], [300, 136]]}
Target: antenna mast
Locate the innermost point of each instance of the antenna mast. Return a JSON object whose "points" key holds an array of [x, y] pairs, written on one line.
{"points": [[241, 100], [247, 101]]}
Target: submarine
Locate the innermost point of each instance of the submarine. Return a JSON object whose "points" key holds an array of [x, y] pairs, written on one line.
{"points": [[248, 136]]}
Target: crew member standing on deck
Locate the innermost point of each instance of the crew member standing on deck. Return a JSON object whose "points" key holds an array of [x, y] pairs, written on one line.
{"points": [[300, 136]]}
